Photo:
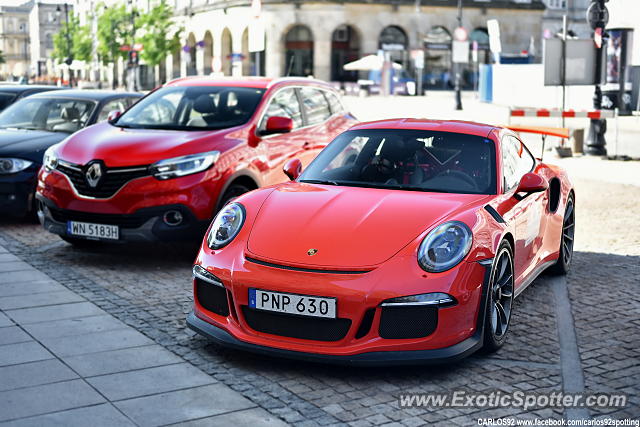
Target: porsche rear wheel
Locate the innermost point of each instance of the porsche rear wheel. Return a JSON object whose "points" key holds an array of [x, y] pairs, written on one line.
{"points": [[563, 263], [500, 299]]}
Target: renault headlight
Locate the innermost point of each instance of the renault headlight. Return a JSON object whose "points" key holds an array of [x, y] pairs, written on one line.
{"points": [[50, 160], [226, 226], [444, 247], [185, 165], [11, 165]]}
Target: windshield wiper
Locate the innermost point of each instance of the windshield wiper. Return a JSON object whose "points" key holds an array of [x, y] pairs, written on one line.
{"points": [[319, 181]]}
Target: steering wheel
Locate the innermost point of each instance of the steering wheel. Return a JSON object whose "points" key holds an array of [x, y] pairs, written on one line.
{"points": [[462, 176]]}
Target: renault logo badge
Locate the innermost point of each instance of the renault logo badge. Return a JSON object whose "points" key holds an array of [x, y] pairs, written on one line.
{"points": [[312, 252], [93, 174]]}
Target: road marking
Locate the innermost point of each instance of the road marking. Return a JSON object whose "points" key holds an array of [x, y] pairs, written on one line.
{"points": [[570, 365]]}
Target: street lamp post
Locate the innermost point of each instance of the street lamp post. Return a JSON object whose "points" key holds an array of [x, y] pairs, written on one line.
{"points": [[69, 59], [458, 66], [597, 16]]}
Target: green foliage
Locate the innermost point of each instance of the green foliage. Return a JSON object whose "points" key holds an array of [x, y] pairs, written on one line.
{"points": [[2, 60], [114, 31], [72, 41], [159, 35]]}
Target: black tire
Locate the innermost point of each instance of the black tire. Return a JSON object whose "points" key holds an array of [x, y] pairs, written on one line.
{"points": [[562, 265], [234, 191], [81, 243], [499, 299]]}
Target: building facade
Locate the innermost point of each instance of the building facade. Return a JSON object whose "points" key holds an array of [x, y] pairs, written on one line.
{"points": [[45, 21], [14, 40], [318, 37]]}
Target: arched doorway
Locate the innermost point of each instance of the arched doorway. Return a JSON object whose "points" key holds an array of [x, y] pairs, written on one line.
{"points": [[438, 58], [298, 46], [345, 48], [208, 52], [190, 55], [227, 49], [481, 37], [394, 40]]}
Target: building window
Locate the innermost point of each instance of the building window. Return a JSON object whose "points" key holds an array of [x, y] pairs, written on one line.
{"points": [[556, 4], [299, 51]]}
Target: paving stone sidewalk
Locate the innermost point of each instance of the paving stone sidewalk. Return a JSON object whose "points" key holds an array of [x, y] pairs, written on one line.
{"points": [[65, 361]]}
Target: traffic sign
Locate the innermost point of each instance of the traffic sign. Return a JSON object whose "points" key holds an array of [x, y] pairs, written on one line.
{"points": [[460, 52], [494, 36], [597, 37], [597, 15], [460, 34], [418, 58]]}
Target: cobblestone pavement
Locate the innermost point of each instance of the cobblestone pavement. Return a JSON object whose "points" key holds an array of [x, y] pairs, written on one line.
{"points": [[149, 288]]}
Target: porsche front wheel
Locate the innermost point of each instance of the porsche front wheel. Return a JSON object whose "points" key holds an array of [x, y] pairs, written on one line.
{"points": [[500, 299]]}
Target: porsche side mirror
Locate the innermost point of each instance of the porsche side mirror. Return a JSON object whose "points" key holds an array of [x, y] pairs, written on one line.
{"points": [[532, 183], [113, 115], [293, 168], [277, 124]]}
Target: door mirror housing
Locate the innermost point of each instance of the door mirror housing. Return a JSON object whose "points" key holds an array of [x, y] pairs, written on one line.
{"points": [[277, 124], [532, 183], [113, 115], [293, 168]]}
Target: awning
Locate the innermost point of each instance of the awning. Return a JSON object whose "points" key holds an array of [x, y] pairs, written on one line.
{"points": [[369, 63]]}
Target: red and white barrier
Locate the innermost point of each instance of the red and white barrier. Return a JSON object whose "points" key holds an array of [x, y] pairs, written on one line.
{"points": [[542, 112]]}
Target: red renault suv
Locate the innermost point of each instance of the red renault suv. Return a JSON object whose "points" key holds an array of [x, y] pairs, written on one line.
{"points": [[161, 170]]}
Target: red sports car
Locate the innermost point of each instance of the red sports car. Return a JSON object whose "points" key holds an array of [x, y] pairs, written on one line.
{"points": [[161, 170], [404, 241]]}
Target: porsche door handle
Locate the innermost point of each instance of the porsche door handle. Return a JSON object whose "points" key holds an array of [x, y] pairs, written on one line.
{"points": [[306, 145]]}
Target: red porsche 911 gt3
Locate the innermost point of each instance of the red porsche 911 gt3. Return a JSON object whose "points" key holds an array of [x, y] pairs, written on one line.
{"points": [[404, 241]]}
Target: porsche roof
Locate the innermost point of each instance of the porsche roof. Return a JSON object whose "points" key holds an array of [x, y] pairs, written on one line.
{"points": [[458, 126]]}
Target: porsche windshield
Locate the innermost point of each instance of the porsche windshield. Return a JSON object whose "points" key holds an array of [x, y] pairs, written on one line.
{"points": [[404, 159], [193, 108]]}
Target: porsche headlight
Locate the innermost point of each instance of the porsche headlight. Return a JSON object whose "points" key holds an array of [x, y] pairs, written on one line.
{"points": [[226, 226], [10, 165], [185, 165], [50, 160], [445, 246]]}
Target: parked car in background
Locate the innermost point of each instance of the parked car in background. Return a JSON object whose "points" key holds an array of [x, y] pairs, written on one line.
{"points": [[164, 168], [405, 241], [10, 93], [32, 125]]}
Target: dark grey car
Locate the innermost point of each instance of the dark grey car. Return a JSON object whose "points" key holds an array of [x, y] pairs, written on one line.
{"points": [[31, 125]]}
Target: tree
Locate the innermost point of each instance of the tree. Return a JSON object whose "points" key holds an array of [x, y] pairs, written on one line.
{"points": [[159, 36], [73, 41], [2, 60], [114, 31]]}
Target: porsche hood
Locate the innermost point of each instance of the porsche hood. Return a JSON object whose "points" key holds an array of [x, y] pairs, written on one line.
{"points": [[345, 227]]}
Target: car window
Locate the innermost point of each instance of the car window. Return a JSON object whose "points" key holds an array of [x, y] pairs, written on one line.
{"points": [[284, 104], [193, 108], [406, 159], [6, 99], [516, 161], [61, 115], [68, 115], [334, 103], [315, 104], [119, 104]]}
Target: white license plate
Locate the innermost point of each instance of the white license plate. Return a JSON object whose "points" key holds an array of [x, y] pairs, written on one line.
{"points": [[303, 305], [95, 231]]}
